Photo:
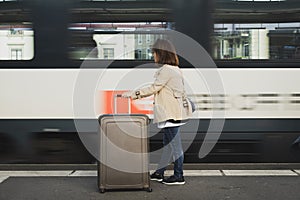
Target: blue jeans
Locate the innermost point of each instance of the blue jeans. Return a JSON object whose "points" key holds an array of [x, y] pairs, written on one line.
{"points": [[172, 150]]}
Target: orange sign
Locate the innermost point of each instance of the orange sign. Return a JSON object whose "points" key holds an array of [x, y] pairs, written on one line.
{"points": [[111, 104]]}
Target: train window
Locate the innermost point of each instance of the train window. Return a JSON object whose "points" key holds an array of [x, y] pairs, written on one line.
{"points": [[8, 0], [260, 0], [117, 29], [271, 41], [118, 0], [16, 42], [16, 31], [119, 41]]}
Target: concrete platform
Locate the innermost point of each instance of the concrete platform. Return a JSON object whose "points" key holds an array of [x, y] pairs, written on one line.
{"points": [[216, 187]]}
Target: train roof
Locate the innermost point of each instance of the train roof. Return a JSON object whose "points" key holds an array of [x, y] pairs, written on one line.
{"points": [[224, 11]]}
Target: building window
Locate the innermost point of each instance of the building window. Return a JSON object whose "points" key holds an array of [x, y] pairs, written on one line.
{"points": [[138, 54], [148, 38], [16, 54], [108, 53], [140, 39], [149, 54]]}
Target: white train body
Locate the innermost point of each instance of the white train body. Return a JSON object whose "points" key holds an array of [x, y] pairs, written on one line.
{"points": [[247, 93]]}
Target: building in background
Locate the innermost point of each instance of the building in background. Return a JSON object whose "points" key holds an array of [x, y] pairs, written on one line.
{"points": [[16, 44], [241, 44], [130, 46]]}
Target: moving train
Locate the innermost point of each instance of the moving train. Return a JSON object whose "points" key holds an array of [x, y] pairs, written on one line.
{"points": [[61, 62]]}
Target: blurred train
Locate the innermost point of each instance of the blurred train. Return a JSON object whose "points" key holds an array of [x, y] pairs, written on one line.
{"points": [[48, 46]]}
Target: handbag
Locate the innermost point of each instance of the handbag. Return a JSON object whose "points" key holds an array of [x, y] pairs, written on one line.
{"points": [[189, 100], [192, 104]]}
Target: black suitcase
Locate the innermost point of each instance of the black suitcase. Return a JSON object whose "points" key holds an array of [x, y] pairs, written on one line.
{"points": [[123, 152]]}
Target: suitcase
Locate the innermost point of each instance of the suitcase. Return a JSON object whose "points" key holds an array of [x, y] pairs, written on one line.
{"points": [[124, 147]]}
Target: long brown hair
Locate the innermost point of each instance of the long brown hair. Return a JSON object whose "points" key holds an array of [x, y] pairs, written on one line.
{"points": [[165, 52]]}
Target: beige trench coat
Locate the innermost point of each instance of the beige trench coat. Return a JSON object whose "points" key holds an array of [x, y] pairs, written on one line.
{"points": [[169, 95]]}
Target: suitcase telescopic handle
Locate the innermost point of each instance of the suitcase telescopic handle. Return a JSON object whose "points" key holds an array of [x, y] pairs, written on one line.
{"points": [[116, 96]]}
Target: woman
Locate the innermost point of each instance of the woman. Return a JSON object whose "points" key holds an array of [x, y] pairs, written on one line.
{"points": [[171, 109]]}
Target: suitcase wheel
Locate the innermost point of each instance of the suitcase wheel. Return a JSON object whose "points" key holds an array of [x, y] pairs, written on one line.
{"points": [[102, 190], [149, 189]]}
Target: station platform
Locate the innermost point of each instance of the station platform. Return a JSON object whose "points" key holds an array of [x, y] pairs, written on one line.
{"points": [[200, 184]]}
